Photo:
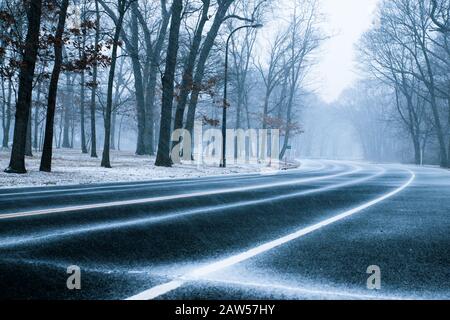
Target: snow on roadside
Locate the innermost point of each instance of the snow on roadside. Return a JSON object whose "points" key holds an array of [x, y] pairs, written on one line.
{"points": [[72, 167]]}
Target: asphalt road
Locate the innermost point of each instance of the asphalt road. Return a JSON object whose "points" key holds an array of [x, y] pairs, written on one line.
{"points": [[309, 233]]}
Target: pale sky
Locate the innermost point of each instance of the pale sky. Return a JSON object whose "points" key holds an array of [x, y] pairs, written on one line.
{"points": [[347, 20]]}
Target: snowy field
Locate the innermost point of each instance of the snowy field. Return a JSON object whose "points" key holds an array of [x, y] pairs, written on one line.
{"points": [[72, 167]]}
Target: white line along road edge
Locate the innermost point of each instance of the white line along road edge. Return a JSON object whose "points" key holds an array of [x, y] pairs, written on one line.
{"points": [[49, 236], [198, 273], [31, 213], [151, 183]]}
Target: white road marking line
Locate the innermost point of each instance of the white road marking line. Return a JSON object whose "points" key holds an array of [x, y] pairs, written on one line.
{"points": [[125, 187], [156, 182], [166, 198], [198, 273], [137, 184], [35, 238]]}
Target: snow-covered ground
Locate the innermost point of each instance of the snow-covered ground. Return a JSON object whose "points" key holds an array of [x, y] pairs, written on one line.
{"points": [[72, 167]]}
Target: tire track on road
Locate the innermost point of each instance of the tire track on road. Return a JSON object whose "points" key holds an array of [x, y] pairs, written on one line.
{"points": [[31, 213], [201, 272]]}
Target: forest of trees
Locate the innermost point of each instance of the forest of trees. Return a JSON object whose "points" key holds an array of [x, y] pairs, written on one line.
{"points": [[399, 108], [94, 75], [406, 58], [85, 74]]}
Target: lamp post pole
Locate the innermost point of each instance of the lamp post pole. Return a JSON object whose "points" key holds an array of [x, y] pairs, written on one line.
{"points": [[225, 93]]}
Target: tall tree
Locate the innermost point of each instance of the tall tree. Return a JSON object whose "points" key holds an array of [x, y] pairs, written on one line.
{"points": [[303, 38], [272, 75], [68, 110], [83, 59], [94, 83], [46, 159], [133, 49], [440, 15], [383, 58], [27, 69], [154, 53], [145, 71], [220, 17], [28, 142], [189, 65], [411, 24], [122, 7], [163, 155], [6, 111]]}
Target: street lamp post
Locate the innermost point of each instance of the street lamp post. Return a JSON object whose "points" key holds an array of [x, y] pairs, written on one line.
{"points": [[225, 92]]}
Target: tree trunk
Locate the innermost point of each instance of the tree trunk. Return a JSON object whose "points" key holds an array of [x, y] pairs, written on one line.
{"points": [[41, 138], [149, 147], [154, 53], [46, 159], [290, 105], [36, 118], [411, 122], [138, 80], [60, 132], [113, 130], [28, 142], [417, 149], [82, 56], [27, 69], [239, 112], [67, 113], [288, 132], [106, 163], [448, 123], [82, 112], [188, 73], [266, 109], [72, 132], [434, 106], [163, 156], [7, 117], [263, 148], [439, 132], [3, 110], [201, 64], [94, 85], [92, 115], [149, 133], [120, 133], [8, 113]]}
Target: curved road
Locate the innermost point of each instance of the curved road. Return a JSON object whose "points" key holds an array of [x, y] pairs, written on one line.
{"points": [[309, 233]]}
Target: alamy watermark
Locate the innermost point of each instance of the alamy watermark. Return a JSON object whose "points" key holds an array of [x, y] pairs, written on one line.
{"points": [[374, 281], [74, 280], [204, 147]]}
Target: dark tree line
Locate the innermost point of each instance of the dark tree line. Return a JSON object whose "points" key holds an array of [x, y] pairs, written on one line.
{"points": [[157, 65], [408, 51]]}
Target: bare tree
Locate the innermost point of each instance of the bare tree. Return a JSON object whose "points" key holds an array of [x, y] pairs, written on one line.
{"points": [[303, 39], [390, 62], [219, 18], [122, 8], [271, 74], [163, 155], [46, 160], [189, 65], [27, 69], [440, 14], [94, 83], [410, 24]]}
